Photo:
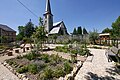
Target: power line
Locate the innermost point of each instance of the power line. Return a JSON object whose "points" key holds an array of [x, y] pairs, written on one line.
{"points": [[27, 8]]}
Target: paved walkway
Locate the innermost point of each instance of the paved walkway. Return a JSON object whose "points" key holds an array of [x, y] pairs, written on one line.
{"points": [[5, 74], [98, 69]]}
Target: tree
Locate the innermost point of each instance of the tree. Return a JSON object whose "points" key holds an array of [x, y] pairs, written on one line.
{"points": [[39, 37], [3, 39], [74, 31], [106, 30], [85, 31], [21, 30], [93, 36], [79, 31], [29, 29], [115, 33]]}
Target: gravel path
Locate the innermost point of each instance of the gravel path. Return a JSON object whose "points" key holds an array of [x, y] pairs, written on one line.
{"points": [[98, 69], [5, 74]]}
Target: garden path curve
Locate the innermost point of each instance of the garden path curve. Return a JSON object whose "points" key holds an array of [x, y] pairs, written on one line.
{"points": [[98, 69]]}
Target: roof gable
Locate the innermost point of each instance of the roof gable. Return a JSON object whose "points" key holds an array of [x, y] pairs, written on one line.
{"points": [[55, 30], [6, 28]]}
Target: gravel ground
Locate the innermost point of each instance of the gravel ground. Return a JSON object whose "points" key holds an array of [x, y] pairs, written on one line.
{"points": [[98, 69]]}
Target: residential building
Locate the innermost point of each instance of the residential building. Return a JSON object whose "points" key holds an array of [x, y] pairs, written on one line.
{"points": [[7, 34]]}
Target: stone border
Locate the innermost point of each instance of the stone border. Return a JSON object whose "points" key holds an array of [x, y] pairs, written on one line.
{"points": [[20, 76], [67, 77]]}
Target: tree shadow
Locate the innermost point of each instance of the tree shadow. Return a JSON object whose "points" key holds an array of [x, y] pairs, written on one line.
{"points": [[92, 76], [113, 71]]}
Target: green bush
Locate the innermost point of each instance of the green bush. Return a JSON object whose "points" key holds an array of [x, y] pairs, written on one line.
{"points": [[74, 51], [67, 67], [59, 72], [2, 47], [45, 57], [55, 58], [32, 55], [32, 68], [19, 57], [47, 74], [62, 49], [23, 69]]}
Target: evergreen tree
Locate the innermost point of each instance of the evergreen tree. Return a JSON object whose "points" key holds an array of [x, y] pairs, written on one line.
{"points": [[29, 29], [85, 31], [21, 30], [116, 29], [106, 30], [79, 31], [115, 33], [74, 31]]}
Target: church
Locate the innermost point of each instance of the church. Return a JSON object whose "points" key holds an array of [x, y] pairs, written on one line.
{"points": [[57, 28]]}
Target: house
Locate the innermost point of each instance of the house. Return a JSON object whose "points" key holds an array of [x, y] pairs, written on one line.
{"points": [[7, 34], [104, 38]]}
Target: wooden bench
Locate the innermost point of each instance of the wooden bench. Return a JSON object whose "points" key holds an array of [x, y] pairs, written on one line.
{"points": [[17, 51], [9, 53], [113, 54]]}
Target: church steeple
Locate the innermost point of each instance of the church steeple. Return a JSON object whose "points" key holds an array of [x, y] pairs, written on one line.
{"points": [[48, 8], [48, 17]]}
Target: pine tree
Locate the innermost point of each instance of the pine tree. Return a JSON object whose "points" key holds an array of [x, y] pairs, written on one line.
{"points": [[79, 31], [74, 31], [85, 31]]}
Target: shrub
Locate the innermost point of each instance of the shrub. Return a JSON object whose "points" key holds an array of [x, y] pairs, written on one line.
{"points": [[47, 74], [45, 57], [62, 49], [19, 57], [32, 68], [67, 67], [55, 58], [23, 69], [74, 51], [59, 72], [32, 55]]}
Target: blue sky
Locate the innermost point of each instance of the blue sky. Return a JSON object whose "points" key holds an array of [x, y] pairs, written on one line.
{"points": [[91, 14]]}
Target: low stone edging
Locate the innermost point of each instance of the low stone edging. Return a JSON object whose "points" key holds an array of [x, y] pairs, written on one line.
{"points": [[20, 76]]}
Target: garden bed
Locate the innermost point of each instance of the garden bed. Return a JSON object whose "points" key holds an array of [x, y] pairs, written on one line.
{"points": [[41, 66]]}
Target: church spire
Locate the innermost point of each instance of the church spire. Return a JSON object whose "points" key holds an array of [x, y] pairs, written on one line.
{"points": [[48, 17], [48, 8]]}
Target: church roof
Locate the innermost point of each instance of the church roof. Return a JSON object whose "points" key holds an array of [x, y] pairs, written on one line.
{"points": [[57, 23], [6, 28], [55, 30]]}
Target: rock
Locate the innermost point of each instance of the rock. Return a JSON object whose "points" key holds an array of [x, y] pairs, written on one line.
{"points": [[23, 75], [5, 63], [68, 77], [24, 78], [27, 79], [75, 69], [17, 74], [61, 78]]}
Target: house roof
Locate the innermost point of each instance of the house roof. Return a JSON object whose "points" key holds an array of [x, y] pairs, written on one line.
{"points": [[55, 30], [104, 34], [6, 28]]}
